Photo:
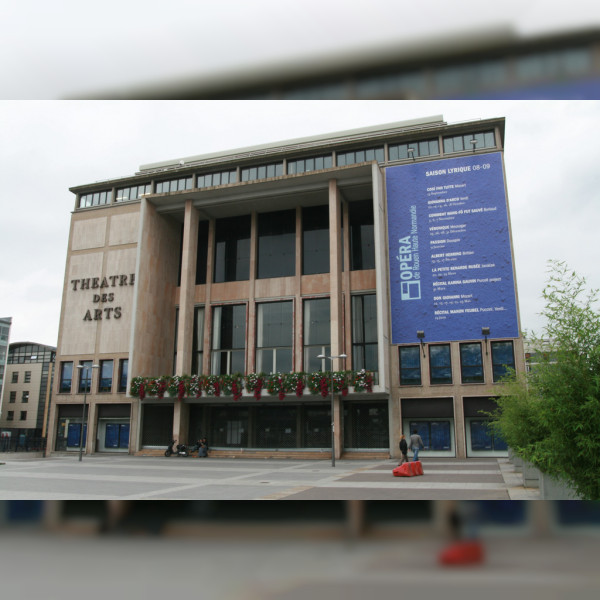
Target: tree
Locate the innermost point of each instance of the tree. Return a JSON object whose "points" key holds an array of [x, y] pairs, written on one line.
{"points": [[550, 416]]}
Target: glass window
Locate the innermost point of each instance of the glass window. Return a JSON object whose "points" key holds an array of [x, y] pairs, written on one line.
{"points": [[123, 372], [198, 343], [262, 171], [410, 365], [364, 333], [274, 337], [315, 240], [174, 185], [232, 249], [305, 165], [66, 377], [106, 375], [422, 148], [10, 415], [362, 235], [471, 141], [485, 438], [13, 397], [133, 192], [229, 339], [471, 363], [95, 198], [85, 376], [435, 434], [439, 364], [358, 156], [15, 377], [317, 334], [503, 358], [23, 415], [25, 396], [277, 244], [202, 253], [27, 378]]}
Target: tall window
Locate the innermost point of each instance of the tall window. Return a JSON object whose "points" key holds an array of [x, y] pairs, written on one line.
{"points": [[10, 415], [66, 377], [106, 376], [277, 244], [23, 415], [274, 337], [410, 365], [315, 240], [123, 372], [198, 343], [202, 253], [471, 363], [503, 358], [85, 376], [229, 339], [25, 396], [13, 397], [440, 367], [15, 377], [232, 249], [317, 334], [364, 333], [27, 378], [362, 235]]}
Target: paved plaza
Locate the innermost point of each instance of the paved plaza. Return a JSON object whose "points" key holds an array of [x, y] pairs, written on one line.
{"points": [[105, 477]]}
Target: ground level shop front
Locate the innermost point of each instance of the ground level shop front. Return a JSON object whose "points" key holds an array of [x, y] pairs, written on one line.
{"points": [[281, 426]]}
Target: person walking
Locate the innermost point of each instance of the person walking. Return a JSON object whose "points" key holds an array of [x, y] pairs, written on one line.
{"points": [[416, 444], [403, 450]]}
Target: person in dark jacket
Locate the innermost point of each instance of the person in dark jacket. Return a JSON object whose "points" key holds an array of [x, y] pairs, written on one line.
{"points": [[403, 450]]}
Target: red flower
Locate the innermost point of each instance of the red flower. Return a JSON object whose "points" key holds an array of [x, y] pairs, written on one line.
{"points": [[237, 394], [180, 390], [142, 391], [258, 388], [323, 386], [160, 391], [299, 388]]}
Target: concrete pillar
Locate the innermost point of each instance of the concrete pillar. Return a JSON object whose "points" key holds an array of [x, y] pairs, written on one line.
{"points": [[336, 302], [181, 422], [185, 328]]}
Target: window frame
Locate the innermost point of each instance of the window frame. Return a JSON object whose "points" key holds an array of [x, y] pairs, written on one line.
{"points": [[504, 366], [440, 367], [413, 348], [464, 367]]}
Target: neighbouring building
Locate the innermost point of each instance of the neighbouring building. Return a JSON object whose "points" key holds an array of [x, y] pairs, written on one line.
{"points": [[201, 293], [26, 393]]}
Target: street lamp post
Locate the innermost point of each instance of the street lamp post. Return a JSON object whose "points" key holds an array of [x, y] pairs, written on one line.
{"points": [[85, 389], [331, 358]]}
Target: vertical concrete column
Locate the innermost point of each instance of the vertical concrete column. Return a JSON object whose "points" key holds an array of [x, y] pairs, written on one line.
{"points": [[298, 308], [92, 425], [251, 324], [459, 427], [185, 328], [335, 300], [208, 297], [346, 287]]}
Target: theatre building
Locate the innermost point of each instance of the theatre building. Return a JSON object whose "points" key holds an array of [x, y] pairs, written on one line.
{"points": [[201, 295]]}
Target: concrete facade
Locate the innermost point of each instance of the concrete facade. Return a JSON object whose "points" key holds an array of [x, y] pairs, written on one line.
{"points": [[132, 294]]}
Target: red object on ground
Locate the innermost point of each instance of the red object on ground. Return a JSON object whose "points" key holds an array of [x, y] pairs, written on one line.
{"points": [[408, 469], [462, 553]]}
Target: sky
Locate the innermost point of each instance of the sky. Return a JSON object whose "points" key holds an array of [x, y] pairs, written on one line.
{"points": [[70, 48], [552, 152]]}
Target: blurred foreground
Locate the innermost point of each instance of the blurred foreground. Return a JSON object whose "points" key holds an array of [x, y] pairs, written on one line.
{"points": [[293, 550]]}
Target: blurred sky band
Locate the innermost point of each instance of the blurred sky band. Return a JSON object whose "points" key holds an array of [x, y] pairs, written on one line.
{"points": [[451, 267]]}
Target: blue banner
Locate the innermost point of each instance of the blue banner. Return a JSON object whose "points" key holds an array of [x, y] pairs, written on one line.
{"points": [[451, 270]]}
